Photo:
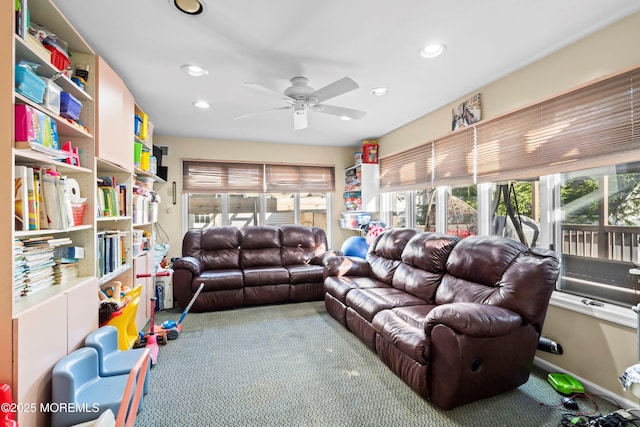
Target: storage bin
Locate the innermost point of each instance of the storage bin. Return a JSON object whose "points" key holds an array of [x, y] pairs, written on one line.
{"points": [[144, 160], [59, 59], [137, 153], [52, 96], [70, 107], [29, 84]]}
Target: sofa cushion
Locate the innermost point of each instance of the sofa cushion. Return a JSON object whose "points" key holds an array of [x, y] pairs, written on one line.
{"points": [[404, 327], [260, 246], [385, 253], [501, 272], [217, 280], [261, 276], [304, 273], [368, 302], [215, 247], [338, 287], [423, 264], [299, 245]]}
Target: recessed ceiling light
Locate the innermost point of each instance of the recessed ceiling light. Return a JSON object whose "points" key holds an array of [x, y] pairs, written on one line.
{"points": [[190, 7], [432, 50], [379, 91], [201, 104], [194, 70], [345, 118]]}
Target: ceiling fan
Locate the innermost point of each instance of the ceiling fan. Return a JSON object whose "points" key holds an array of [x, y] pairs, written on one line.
{"points": [[300, 97]]}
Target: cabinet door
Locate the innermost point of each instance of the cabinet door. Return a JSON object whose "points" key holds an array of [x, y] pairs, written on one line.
{"points": [[115, 106], [82, 316], [39, 341]]}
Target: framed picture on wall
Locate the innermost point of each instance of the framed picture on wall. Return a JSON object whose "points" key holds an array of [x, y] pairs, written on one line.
{"points": [[466, 113]]}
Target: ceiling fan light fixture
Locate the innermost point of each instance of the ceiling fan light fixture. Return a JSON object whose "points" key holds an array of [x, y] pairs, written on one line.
{"points": [[379, 91], [190, 7], [345, 118], [194, 70], [202, 104], [432, 50]]}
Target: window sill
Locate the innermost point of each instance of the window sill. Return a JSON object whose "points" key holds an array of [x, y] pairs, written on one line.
{"points": [[607, 311]]}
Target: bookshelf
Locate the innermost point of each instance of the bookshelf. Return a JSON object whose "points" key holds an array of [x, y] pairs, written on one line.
{"points": [[34, 346]]}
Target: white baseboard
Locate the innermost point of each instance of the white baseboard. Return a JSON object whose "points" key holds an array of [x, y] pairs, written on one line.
{"points": [[589, 386]]}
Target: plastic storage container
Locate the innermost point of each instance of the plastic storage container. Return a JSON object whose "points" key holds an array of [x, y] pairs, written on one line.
{"points": [[59, 58], [29, 84], [70, 107], [52, 96]]}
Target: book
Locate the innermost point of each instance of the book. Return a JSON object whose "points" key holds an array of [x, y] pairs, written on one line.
{"points": [[21, 198], [32, 202], [42, 211]]}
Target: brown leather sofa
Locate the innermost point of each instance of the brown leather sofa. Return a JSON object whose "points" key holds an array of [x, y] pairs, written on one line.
{"points": [[457, 319], [250, 266]]}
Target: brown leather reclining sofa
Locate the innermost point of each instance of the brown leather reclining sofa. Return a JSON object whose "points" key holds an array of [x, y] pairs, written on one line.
{"points": [[250, 266], [457, 319]]}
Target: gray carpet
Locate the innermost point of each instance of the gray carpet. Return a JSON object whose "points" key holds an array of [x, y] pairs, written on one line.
{"points": [[294, 365]]}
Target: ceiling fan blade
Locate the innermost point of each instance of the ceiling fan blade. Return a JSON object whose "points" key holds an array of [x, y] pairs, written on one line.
{"points": [[340, 111], [244, 116], [334, 89], [300, 119], [265, 90]]}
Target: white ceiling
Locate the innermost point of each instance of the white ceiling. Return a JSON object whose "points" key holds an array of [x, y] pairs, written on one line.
{"points": [[375, 42]]}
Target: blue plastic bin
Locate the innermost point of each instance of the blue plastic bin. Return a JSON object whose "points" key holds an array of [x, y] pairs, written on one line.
{"points": [[29, 84], [70, 107]]}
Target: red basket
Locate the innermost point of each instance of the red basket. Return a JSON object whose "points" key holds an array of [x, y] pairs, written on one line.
{"points": [[78, 212], [58, 58]]}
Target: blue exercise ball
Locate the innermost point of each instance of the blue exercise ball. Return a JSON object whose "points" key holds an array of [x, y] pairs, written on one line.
{"points": [[355, 246]]}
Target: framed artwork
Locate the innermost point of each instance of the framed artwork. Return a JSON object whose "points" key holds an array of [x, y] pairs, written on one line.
{"points": [[466, 113]]}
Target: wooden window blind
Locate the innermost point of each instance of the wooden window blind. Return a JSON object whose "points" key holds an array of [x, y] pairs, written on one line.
{"points": [[408, 170], [591, 126], [295, 178], [218, 177], [588, 127], [222, 177]]}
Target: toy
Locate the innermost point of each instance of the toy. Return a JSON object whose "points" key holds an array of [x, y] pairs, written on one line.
{"points": [[173, 329], [355, 246]]}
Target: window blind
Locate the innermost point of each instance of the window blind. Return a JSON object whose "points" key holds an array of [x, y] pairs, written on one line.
{"points": [[222, 177], [218, 177], [591, 126], [295, 178], [408, 170], [588, 127]]}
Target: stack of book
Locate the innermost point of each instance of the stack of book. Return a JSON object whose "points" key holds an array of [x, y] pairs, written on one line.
{"points": [[34, 264], [19, 270], [67, 260]]}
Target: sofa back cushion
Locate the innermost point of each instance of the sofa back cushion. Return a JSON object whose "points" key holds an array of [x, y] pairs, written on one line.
{"points": [[301, 245], [215, 247], [502, 272], [260, 246], [385, 252], [424, 259]]}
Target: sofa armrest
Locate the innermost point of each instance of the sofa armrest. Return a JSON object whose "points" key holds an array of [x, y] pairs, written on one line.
{"points": [[321, 259], [474, 319], [188, 263], [340, 265]]}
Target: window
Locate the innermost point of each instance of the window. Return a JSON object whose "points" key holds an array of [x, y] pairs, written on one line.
{"points": [[462, 214], [599, 231], [243, 194], [516, 211], [425, 208]]}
